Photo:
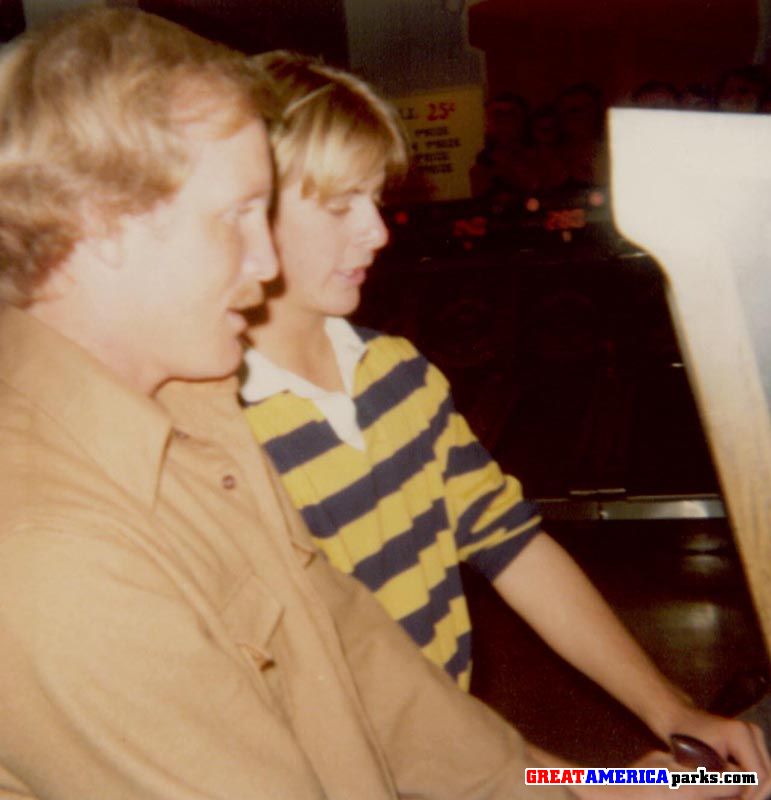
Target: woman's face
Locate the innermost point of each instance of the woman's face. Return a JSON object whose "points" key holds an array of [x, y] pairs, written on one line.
{"points": [[325, 248]]}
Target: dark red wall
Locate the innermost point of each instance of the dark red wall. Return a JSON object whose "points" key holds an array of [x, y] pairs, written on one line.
{"points": [[536, 47], [11, 19], [311, 26]]}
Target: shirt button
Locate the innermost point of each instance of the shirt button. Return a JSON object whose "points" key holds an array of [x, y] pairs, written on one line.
{"points": [[228, 482]]}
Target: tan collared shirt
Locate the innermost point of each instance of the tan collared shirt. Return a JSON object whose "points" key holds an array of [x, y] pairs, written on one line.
{"points": [[167, 629]]}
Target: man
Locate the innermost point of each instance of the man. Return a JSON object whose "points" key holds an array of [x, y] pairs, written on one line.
{"points": [[167, 629]]}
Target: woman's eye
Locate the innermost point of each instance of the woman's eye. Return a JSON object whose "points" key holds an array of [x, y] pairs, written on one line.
{"points": [[338, 208]]}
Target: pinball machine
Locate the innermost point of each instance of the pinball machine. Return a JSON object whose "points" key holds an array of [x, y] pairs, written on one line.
{"points": [[694, 190]]}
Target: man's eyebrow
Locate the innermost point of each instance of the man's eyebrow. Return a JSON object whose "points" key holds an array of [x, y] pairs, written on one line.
{"points": [[258, 193]]}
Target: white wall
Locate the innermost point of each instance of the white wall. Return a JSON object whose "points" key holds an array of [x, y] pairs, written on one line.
{"points": [[406, 45], [36, 11]]}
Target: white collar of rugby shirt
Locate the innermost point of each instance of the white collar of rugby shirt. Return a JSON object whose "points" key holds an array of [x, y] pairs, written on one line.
{"points": [[265, 379]]}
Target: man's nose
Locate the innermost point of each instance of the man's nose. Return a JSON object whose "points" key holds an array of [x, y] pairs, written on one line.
{"points": [[260, 254]]}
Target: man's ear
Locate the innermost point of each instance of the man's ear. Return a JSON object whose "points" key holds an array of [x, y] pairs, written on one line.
{"points": [[90, 257], [58, 283], [94, 257], [101, 242], [104, 250], [63, 278]]}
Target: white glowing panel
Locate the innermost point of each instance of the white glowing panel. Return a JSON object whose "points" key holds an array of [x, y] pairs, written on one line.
{"points": [[694, 189], [701, 182]]}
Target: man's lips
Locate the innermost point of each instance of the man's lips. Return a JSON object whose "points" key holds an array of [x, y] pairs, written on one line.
{"points": [[236, 320]]}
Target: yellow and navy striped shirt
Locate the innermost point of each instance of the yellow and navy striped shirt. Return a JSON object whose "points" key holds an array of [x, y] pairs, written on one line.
{"points": [[400, 515]]}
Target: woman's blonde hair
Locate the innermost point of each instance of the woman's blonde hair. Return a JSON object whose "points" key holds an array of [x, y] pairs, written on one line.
{"points": [[94, 109], [331, 129]]}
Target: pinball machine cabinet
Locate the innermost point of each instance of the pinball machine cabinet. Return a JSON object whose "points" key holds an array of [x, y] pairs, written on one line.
{"points": [[694, 190]]}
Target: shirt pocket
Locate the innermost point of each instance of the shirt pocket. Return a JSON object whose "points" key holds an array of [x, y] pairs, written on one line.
{"points": [[253, 617]]}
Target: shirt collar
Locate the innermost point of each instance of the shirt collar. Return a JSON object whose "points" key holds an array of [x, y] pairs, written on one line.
{"points": [[120, 429], [265, 379]]}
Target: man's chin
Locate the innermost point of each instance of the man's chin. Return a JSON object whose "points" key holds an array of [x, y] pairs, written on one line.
{"points": [[224, 366]]}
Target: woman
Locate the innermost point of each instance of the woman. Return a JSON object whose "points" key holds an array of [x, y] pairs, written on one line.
{"points": [[390, 480]]}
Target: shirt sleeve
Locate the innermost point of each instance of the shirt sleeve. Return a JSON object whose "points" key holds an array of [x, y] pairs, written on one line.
{"points": [[439, 741], [491, 520]]}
